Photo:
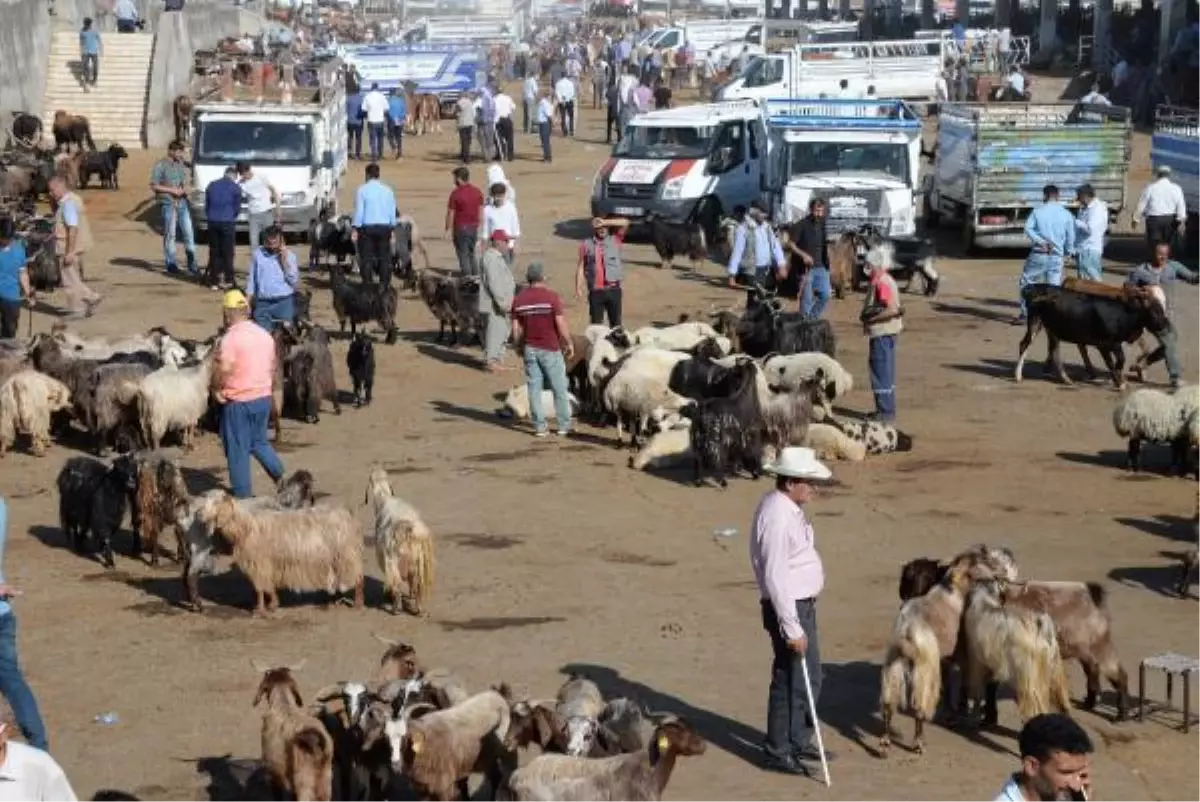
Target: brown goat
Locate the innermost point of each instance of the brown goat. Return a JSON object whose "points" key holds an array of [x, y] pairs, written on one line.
{"points": [[72, 129], [181, 110], [843, 256], [162, 498], [399, 662], [297, 750]]}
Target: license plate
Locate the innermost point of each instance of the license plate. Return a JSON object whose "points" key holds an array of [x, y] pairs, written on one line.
{"points": [[628, 211]]}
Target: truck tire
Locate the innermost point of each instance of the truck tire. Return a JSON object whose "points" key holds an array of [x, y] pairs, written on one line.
{"points": [[933, 218]]}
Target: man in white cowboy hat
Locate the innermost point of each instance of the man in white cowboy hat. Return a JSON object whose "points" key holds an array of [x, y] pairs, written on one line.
{"points": [[789, 574], [883, 320]]}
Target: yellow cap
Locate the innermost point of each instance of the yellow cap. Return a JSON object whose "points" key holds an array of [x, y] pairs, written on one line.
{"points": [[234, 299]]}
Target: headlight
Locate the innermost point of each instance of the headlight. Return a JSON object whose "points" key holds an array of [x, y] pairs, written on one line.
{"points": [[673, 188], [292, 199]]}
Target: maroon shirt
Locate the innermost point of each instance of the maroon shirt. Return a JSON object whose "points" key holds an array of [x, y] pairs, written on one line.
{"points": [[467, 202], [536, 308]]}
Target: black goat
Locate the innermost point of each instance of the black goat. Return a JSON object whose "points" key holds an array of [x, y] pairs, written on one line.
{"points": [[297, 491], [331, 238], [361, 362], [766, 328], [453, 301], [103, 163], [308, 376], [728, 432], [359, 303], [92, 499], [700, 377], [672, 239]]}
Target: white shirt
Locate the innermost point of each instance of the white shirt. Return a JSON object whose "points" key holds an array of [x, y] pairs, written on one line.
{"points": [[1016, 81], [530, 89], [1160, 198], [504, 105], [564, 90], [1011, 792], [31, 774], [1091, 226], [625, 84], [258, 194], [501, 218], [375, 106], [1096, 99]]}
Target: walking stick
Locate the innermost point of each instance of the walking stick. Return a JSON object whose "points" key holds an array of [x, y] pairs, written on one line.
{"points": [[812, 709], [29, 327]]}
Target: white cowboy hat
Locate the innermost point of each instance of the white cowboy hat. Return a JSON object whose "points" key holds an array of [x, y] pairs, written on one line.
{"points": [[798, 463]]}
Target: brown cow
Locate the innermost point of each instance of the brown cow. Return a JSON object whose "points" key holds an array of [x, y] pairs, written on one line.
{"points": [[72, 129], [182, 110]]}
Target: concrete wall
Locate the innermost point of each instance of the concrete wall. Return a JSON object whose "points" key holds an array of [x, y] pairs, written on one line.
{"points": [[24, 56]]}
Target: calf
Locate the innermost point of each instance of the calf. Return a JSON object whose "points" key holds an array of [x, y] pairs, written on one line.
{"points": [[677, 239], [1084, 319], [103, 163], [72, 129]]}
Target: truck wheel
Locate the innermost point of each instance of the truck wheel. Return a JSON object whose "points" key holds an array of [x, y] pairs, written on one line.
{"points": [[933, 218]]}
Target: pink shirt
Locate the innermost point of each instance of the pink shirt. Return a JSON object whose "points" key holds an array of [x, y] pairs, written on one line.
{"points": [[247, 360], [784, 557]]}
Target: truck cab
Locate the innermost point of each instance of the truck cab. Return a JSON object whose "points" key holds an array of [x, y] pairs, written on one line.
{"points": [[691, 162]]}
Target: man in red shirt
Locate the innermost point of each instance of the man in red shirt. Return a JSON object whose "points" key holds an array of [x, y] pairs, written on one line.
{"points": [[883, 320], [599, 271], [540, 334], [463, 213]]}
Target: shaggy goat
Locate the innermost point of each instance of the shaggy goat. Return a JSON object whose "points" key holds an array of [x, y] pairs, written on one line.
{"points": [[308, 374], [104, 163], [161, 500], [1159, 417], [27, 400], [640, 775], [92, 498], [319, 548], [453, 301], [360, 303], [728, 432], [444, 747], [403, 545], [360, 361], [297, 750], [110, 404], [577, 714], [399, 661], [673, 239], [297, 491], [174, 399]]}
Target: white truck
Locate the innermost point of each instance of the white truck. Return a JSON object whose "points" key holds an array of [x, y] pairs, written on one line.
{"points": [[906, 69], [703, 35], [299, 146], [1174, 144], [690, 162]]}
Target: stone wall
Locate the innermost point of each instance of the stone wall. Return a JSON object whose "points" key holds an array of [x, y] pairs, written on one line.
{"points": [[24, 56]]}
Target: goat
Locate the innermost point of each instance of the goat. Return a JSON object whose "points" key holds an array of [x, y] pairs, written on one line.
{"points": [[308, 375], [110, 402], [27, 401], [71, 129], [403, 545], [399, 661], [174, 399], [297, 750], [331, 237], [728, 431], [454, 302], [92, 498], [296, 491], [181, 114], [444, 747], [673, 239], [360, 303], [104, 163], [161, 500], [577, 714], [360, 361]]}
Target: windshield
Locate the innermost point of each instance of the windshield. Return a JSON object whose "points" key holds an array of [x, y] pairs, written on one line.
{"points": [[656, 142], [254, 141], [807, 158], [763, 71]]}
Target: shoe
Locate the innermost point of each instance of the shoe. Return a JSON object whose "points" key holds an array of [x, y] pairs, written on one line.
{"points": [[1176, 384], [787, 764], [541, 433], [1019, 320], [173, 270], [563, 433], [811, 754]]}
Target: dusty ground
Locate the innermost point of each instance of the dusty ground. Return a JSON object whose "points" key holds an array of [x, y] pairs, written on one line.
{"points": [[554, 555]]}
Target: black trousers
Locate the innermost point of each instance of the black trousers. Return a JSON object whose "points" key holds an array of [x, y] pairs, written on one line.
{"points": [[354, 140], [612, 124], [605, 302], [396, 135], [789, 720], [566, 113], [504, 131], [464, 143], [10, 318], [1160, 228], [375, 254], [221, 239], [464, 249]]}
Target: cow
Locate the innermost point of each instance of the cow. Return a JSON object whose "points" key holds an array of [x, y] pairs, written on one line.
{"points": [[72, 129]]}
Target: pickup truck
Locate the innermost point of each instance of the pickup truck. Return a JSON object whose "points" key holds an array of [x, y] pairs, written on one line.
{"points": [[992, 161], [1174, 144]]}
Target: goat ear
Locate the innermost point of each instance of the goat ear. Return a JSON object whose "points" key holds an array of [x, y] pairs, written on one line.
{"points": [[258, 696]]}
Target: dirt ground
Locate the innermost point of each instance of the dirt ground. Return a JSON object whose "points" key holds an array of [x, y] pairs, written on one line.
{"points": [[554, 556]]}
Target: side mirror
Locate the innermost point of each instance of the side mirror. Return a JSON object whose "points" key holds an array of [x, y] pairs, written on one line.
{"points": [[327, 160]]}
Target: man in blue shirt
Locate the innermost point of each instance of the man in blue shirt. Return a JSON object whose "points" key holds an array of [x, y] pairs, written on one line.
{"points": [[222, 202], [12, 681], [90, 48], [397, 114], [1051, 229], [271, 284], [127, 17], [374, 219], [14, 279], [354, 122]]}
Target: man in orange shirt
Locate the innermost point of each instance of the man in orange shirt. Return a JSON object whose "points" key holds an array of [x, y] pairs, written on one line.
{"points": [[245, 366]]}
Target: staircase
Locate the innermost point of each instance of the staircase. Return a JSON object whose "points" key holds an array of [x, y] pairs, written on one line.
{"points": [[116, 106]]}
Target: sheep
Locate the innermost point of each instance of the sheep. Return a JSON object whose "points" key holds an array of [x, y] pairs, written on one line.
{"points": [[831, 444], [156, 342], [308, 373], [1014, 646], [92, 498], [577, 714], [13, 362], [637, 386], [794, 372], [403, 545], [297, 750], [444, 747], [174, 399], [668, 448], [161, 500], [27, 400], [876, 436], [641, 775], [313, 549], [516, 403], [1149, 414], [679, 337], [603, 355], [360, 361], [296, 491]]}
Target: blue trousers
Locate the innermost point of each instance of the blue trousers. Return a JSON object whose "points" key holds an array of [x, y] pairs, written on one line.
{"points": [[375, 135], [542, 367], [814, 296], [177, 216], [544, 135], [354, 140], [1040, 268], [881, 364], [1089, 266], [268, 312], [244, 432], [14, 687]]}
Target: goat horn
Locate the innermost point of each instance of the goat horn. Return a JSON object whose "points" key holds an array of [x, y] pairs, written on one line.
{"points": [[385, 641], [329, 692], [259, 667], [299, 665]]}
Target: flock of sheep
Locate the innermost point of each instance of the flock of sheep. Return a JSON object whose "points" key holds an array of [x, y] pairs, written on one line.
{"points": [[415, 731]]}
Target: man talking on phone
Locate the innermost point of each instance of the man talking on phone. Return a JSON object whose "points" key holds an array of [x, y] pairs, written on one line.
{"points": [[1055, 761], [274, 274]]}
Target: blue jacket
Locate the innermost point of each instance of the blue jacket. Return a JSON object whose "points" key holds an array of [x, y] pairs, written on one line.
{"points": [[354, 115], [222, 201], [397, 109]]}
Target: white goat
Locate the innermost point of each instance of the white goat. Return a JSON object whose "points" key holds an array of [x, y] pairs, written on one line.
{"points": [[27, 400], [403, 544], [174, 399]]}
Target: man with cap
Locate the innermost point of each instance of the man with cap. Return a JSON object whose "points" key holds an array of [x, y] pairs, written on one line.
{"points": [[1163, 207], [496, 289], [540, 334], [883, 320], [599, 270], [245, 367], [1091, 224], [789, 575], [1051, 229]]}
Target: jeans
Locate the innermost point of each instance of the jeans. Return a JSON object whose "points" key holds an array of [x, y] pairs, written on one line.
{"points": [[354, 139], [881, 364], [177, 217], [256, 224], [789, 719], [544, 136], [1087, 263], [504, 132], [542, 367], [1168, 349], [464, 248], [396, 137], [244, 432], [816, 283], [221, 239], [1040, 268], [566, 113], [268, 312], [487, 140], [605, 302], [495, 334], [464, 144], [10, 317], [91, 67], [375, 254], [375, 138], [14, 687]]}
